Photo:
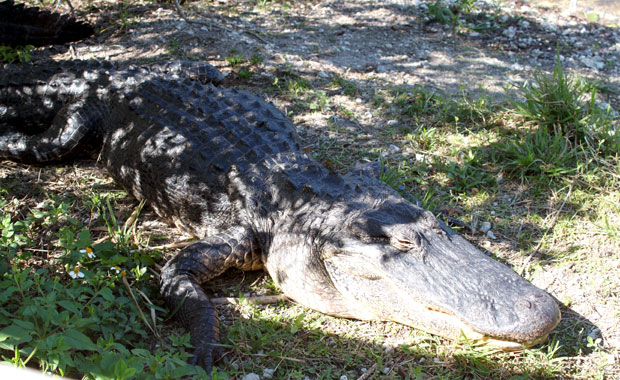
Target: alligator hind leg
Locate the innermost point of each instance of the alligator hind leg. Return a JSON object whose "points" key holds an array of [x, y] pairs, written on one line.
{"points": [[76, 130], [181, 280]]}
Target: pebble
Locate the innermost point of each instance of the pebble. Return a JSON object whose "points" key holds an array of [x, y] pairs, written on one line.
{"points": [[323, 74], [510, 32], [393, 149], [392, 122], [344, 377], [486, 226], [491, 235], [251, 376], [382, 68], [268, 373], [592, 62]]}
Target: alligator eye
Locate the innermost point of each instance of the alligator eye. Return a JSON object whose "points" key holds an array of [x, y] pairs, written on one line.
{"points": [[402, 244], [414, 242]]}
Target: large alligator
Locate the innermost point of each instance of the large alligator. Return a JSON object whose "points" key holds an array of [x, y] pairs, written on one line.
{"points": [[226, 165], [21, 25]]}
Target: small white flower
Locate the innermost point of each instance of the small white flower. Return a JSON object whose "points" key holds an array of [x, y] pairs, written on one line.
{"points": [[116, 268], [75, 273], [89, 252]]}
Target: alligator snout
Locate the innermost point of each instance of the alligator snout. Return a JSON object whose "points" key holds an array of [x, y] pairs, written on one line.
{"points": [[538, 314]]}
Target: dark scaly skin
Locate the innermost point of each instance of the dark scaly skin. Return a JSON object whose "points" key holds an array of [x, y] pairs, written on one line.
{"points": [[226, 165], [21, 25]]}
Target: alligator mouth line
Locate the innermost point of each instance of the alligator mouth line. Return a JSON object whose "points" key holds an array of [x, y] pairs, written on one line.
{"points": [[449, 326]]}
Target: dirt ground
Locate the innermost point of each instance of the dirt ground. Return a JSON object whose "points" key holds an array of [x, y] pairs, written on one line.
{"points": [[376, 44]]}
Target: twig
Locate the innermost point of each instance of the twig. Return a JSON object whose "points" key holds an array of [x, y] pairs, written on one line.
{"points": [[526, 262], [260, 300], [368, 373], [126, 283]]}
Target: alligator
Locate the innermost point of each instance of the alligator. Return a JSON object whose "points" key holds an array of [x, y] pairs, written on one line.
{"points": [[21, 25], [226, 165]]}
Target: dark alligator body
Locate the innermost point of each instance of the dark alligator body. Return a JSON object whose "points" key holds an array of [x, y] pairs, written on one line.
{"points": [[21, 25], [226, 165]]}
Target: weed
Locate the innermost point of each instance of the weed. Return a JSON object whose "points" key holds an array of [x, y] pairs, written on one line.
{"points": [[173, 47], [320, 101], [539, 154], [245, 74], [566, 105], [348, 87], [468, 175], [235, 60], [10, 54], [297, 86], [256, 59], [448, 12]]}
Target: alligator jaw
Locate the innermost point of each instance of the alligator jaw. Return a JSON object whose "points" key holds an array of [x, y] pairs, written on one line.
{"points": [[438, 282], [451, 327]]}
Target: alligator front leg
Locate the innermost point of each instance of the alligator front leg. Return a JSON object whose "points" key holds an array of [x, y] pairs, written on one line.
{"points": [[181, 280]]}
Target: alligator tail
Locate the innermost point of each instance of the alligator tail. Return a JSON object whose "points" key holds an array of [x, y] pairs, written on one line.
{"points": [[21, 25], [77, 129]]}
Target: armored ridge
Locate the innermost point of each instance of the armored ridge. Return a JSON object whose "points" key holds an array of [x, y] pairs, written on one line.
{"points": [[225, 165], [58, 111], [21, 25]]}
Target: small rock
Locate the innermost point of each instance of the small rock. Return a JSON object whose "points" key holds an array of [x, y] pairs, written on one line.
{"points": [[392, 123], [344, 377], [516, 67], [393, 149], [268, 373], [358, 100], [386, 370], [524, 24], [323, 74], [382, 68], [251, 376], [510, 32], [474, 34], [363, 369], [491, 235], [593, 62], [485, 227]]}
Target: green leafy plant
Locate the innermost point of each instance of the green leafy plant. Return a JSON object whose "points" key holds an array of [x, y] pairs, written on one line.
{"points": [[81, 314], [235, 60], [448, 12], [10, 54]]}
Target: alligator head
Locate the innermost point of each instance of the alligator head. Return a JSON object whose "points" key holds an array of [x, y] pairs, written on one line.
{"points": [[388, 259]]}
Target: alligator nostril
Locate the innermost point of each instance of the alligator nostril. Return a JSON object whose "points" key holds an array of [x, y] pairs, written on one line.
{"points": [[523, 304]]}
